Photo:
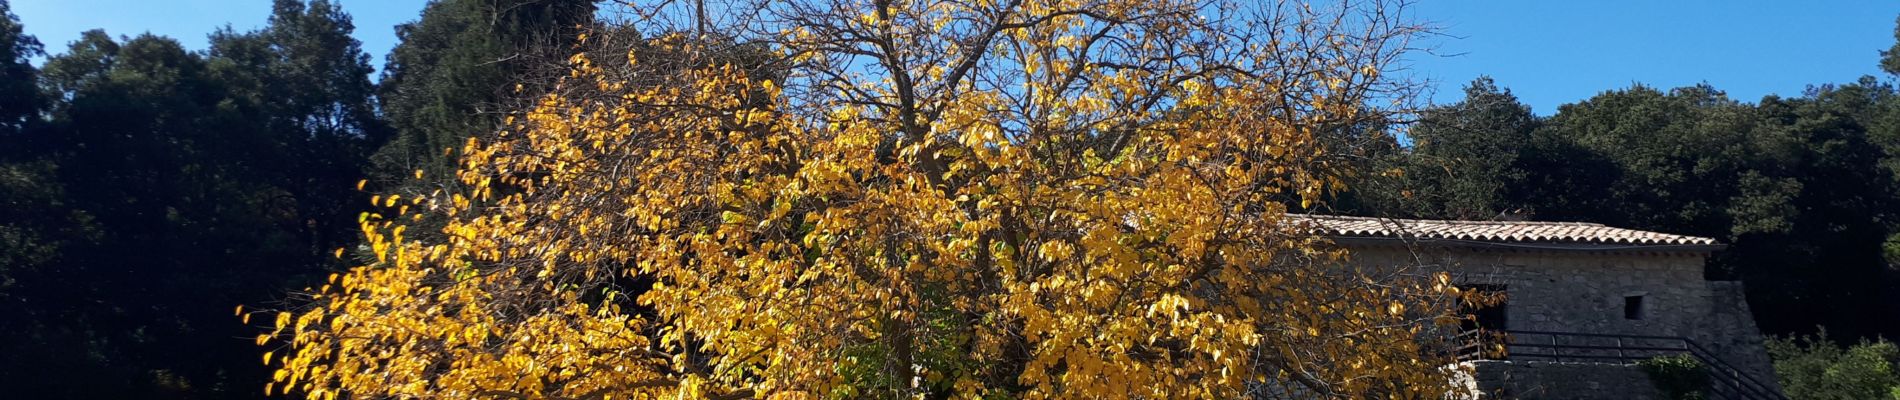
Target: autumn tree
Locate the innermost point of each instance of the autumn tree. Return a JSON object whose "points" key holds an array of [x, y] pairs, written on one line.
{"points": [[844, 198], [451, 73]]}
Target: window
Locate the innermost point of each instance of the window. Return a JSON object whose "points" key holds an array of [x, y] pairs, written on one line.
{"points": [[1632, 307], [1487, 317]]}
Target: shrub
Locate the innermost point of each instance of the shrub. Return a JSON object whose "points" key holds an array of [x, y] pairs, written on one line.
{"points": [[1812, 368], [1679, 377]]}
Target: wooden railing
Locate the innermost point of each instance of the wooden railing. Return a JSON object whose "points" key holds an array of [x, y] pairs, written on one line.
{"points": [[1725, 381]]}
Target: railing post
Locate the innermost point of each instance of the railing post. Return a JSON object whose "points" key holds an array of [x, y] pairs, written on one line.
{"points": [[1555, 352]]}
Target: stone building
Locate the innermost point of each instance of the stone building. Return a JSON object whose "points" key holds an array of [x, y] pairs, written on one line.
{"points": [[1581, 303]]}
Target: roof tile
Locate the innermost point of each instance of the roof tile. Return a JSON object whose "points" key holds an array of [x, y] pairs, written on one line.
{"points": [[1491, 231]]}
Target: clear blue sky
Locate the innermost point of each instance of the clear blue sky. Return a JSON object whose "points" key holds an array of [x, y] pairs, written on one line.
{"points": [[58, 22], [1558, 52], [1548, 52]]}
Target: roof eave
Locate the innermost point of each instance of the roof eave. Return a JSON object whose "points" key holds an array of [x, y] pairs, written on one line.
{"points": [[1545, 246]]}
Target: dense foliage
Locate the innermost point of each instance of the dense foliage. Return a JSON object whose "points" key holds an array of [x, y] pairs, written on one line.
{"points": [[1678, 377], [1080, 199], [1812, 368], [147, 189], [452, 75]]}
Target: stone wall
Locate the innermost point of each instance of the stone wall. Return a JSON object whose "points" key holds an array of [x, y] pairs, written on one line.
{"points": [[1576, 291], [1730, 317], [1559, 290], [1560, 381]]}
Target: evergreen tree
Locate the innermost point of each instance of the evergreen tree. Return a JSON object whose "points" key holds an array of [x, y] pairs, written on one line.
{"points": [[167, 186], [1886, 134], [144, 146], [37, 229], [1467, 157], [20, 99], [452, 70], [308, 81], [1669, 150], [1817, 258]]}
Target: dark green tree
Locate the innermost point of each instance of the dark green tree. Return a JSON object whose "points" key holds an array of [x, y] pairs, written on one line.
{"points": [[1792, 184], [1467, 158], [454, 69], [20, 99], [167, 186], [1812, 367], [86, 60], [37, 229], [1372, 173], [308, 82], [1670, 152], [146, 146], [1886, 133], [1811, 216]]}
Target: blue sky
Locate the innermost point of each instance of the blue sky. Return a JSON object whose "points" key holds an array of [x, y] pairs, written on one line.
{"points": [[1548, 52], [1558, 52], [58, 22]]}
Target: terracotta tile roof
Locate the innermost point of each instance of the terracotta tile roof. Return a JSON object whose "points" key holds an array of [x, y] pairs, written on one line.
{"points": [[1492, 231]]}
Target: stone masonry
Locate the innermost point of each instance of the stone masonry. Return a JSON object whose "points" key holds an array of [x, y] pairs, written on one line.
{"points": [[1587, 290]]}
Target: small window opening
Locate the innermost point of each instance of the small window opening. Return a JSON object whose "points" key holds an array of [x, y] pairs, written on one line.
{"points": [[1484, 316], [1633, 307]]}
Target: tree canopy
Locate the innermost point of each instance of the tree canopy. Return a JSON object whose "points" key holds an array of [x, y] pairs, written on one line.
{"points": [[893, 199], [452, 74], [149, 188], [845, 198]]}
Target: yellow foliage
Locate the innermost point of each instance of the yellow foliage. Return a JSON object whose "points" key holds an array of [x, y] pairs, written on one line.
{"points": [[1036, 199]]}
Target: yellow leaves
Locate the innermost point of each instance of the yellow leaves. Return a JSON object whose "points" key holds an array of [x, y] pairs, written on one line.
{"points": [[1171, 303], [382, 251], [1054, 251], [1119, 229]]}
